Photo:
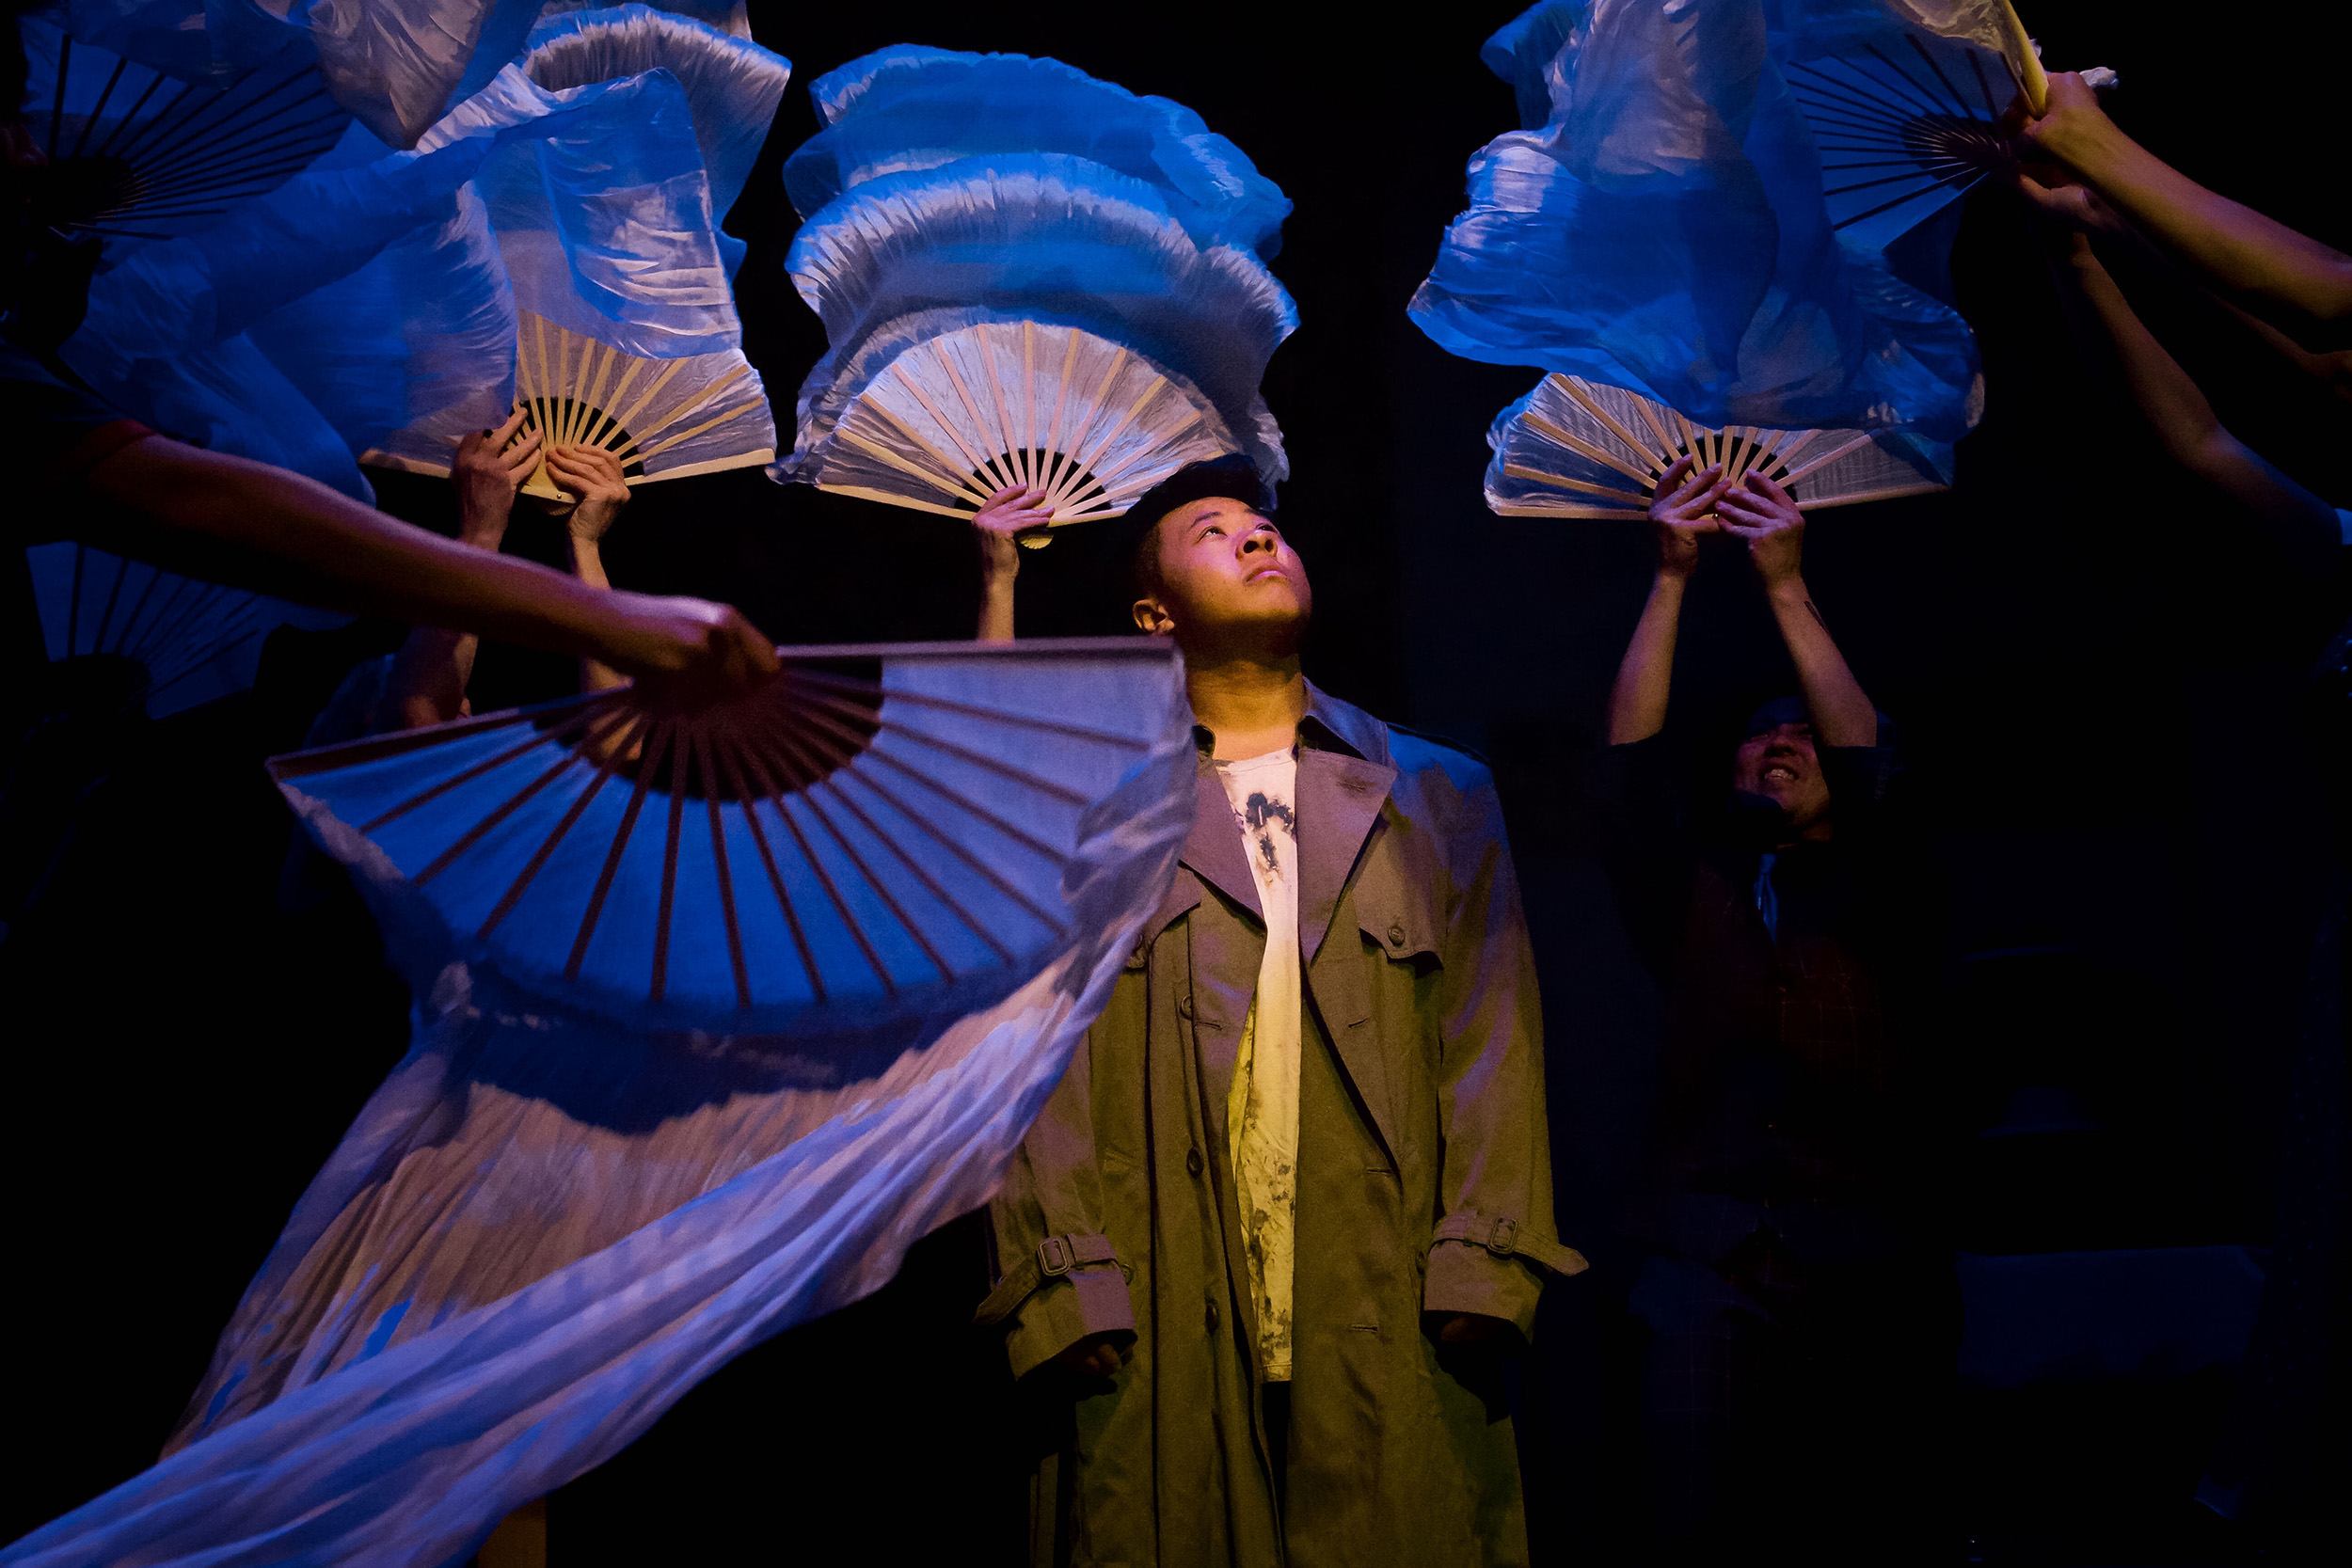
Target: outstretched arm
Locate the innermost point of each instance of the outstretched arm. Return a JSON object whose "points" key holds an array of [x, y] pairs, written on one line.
{"points": [[995, 529], [1681, 511], [227, 519], [2174, 405], [1761, 512], [429, 675], [2287, 278]]}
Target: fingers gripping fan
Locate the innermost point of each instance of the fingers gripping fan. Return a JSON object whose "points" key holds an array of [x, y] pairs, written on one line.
{"points": [[662, 419], [878, 828], [1574, 448], [955, 417], [135, 154]]}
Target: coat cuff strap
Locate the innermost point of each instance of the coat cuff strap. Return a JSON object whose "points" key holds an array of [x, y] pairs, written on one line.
{"points": [[1055, 1257], [1505, 1238]]}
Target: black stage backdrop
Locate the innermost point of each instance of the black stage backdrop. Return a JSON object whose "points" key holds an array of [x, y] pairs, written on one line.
{"points": [[2096, 667]]}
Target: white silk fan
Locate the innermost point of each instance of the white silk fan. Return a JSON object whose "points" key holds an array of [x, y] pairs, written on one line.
{"points": [[956, 418], [663, 419], [1575, 447]]}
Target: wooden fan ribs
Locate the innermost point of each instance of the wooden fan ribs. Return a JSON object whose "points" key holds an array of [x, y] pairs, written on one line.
{"points": [[795, 754], [1002, 437], [1741, 450]]}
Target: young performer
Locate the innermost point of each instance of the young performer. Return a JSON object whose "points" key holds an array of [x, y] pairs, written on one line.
{"points": [[1799, 1319], [1293, 1197]]}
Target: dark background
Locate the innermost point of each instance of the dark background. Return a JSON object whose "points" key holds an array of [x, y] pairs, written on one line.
{"points": [[2096, 666]]}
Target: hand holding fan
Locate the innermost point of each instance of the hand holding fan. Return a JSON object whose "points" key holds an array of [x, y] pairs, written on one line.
{"points": [[662, 419], [1574, 448]]}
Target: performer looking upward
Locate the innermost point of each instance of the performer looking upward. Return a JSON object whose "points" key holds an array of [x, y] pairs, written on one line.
{"points": [[1293, 1198], [1798, 1318]]}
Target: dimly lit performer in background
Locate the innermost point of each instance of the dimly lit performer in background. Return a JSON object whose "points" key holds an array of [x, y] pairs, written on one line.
{"points": [[2280, 1464], [1799, 1322], [1262, 1252], [86, 472], [427, 679]]}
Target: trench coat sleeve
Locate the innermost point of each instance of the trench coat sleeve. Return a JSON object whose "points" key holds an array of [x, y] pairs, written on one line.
{"points": [[1496, 1237], [1059, 1278]]}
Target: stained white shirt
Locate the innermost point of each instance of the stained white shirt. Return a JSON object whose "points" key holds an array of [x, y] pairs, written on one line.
{"points": [[1262, 1112]]}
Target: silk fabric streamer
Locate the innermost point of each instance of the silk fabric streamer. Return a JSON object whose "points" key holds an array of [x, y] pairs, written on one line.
{"points": [[1666, 232], [544, 1230]]}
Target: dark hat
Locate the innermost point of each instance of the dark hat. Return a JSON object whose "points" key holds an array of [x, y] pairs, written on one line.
{"points": [[1231, 475], [1791, 710]]}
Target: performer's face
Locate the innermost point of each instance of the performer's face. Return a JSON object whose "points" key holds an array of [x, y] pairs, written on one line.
{"points": [[1227, 576], [1780, 765]]}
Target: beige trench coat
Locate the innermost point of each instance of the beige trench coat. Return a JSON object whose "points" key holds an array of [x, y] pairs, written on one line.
{"points": [[1424, 1186]]}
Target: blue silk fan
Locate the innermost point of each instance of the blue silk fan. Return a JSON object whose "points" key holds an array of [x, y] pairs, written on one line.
{"points": [[877, 829], [135, 154], [186, 641], [1905, 123]]}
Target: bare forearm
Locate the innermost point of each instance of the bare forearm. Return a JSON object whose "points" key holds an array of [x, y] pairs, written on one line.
{"points": [[588, 566], [2177, 409], [995, 608], [1841, 709], [226, 518], [2287, 277], [1637, 703], [2165, 394], [428, 679]]}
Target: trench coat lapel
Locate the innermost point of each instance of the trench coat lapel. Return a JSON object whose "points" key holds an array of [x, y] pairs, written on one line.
{"points": [[1340, 799], [1215, 849]]}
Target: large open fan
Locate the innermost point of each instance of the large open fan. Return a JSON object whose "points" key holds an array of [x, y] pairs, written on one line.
{"points": [[1091, 422], [1028, 278], [182, 641], [663, 419], [134, 153], [1904, 125], [1041, 319], [1575, 447], [876, 827]]}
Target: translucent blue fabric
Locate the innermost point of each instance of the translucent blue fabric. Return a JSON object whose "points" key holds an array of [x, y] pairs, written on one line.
{"points": [[1525, 52], [604, 214], [910, 108], [1666, 232], [543, 1230], [732, 85], [392, 63], [165, 340], [420, 341], [1041, 237]]}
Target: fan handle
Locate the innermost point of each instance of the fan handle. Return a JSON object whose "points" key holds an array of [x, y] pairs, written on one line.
{"points": [[2032, 81]]}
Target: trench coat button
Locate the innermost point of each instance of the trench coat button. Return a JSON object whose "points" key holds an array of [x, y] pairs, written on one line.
{"points": [[1396, 936], [1193, 1161], [1211, 1317], [1183, 1006]]}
